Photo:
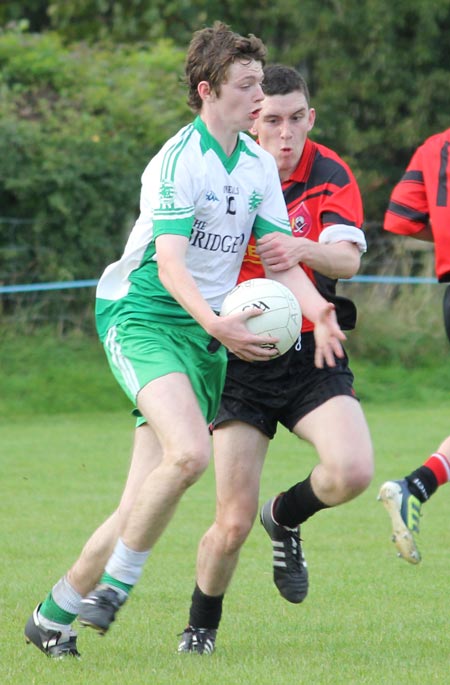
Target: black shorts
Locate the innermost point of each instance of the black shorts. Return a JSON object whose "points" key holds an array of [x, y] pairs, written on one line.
{"points": [[282, 390]]}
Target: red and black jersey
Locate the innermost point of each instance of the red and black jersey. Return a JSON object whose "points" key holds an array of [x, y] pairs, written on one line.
{"points": [[324, 205], [422, 196]]}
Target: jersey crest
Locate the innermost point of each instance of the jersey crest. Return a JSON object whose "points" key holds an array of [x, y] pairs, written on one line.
{"points": [[166, 192], [301, 220], [254, 201]]}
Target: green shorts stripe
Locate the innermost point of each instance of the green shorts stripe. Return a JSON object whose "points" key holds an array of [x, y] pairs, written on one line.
{"points": [[121, 363]]}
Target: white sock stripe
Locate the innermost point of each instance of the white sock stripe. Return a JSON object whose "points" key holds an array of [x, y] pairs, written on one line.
{"points": [[121, 362], [442, 458]]}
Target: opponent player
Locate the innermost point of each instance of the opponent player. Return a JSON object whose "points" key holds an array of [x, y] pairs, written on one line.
{"points": [[203, 195], [318, 405], [420, 208]]}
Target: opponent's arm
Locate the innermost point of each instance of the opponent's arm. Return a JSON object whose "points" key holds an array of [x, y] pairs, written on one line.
{"points": [[425, 234], [335, 260]]}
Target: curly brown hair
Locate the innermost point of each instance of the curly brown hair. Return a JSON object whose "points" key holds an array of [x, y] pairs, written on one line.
{"points": [[211, 52]]}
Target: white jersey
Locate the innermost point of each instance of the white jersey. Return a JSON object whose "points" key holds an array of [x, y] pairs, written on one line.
{"points": [[191, 188]]}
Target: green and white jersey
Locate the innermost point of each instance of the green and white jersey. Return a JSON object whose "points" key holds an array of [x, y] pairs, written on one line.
{"points": [[191, 188]]}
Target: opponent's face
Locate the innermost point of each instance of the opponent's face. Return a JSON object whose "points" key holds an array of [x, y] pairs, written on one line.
{"points": [[282, 128], [239, 101]]}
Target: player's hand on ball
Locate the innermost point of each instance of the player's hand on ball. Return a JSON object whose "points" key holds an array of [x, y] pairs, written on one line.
{"points": [[328, 336], [272, 313], [248, 346]]}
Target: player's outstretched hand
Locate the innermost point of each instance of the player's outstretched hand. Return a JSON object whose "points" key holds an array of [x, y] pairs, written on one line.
{"points": [[234, 334], [328, 336]]}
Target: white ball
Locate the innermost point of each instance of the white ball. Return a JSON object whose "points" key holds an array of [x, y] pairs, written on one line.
{"points": [[282, 317]]}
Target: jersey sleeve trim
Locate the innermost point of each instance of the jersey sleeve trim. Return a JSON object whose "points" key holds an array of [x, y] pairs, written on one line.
{"points": [[263, 226], [413, 175], [339, 232], [408, 213], [177, 226]]}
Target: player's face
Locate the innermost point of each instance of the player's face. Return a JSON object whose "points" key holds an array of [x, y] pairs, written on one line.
{"points": [[282, 128], [241, 95]]}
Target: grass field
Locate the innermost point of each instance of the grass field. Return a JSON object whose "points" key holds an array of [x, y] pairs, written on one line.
{"points": [[369, 618]]}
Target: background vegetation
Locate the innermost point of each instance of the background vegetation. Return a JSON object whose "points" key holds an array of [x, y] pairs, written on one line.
{"points": [[90, 89], [77, 126]]}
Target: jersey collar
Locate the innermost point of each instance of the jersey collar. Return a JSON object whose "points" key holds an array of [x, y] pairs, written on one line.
{"points": [[208, 142]]}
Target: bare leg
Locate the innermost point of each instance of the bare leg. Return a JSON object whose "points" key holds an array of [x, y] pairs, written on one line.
{"points": [[239, 452], [171, 408], [89, 566], [444, 448], [345, 450]]}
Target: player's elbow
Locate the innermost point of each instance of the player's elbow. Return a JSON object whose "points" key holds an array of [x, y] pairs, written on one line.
{"points": [[349, 269], [349, 265]]}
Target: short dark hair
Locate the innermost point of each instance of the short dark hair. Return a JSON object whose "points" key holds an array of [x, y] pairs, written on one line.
{"points": [[281, 80], [211, 52]]}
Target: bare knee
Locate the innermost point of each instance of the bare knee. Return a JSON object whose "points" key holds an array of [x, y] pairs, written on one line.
{"points": [[355, 476], [190, 463], [233, 532], [359, 479], [344, 480]]}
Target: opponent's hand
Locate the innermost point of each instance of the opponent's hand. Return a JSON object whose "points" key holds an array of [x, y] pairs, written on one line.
{"points": [[279, 251], [328, 336], [234, 334]]}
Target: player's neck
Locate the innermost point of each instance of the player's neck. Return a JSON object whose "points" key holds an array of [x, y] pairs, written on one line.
{"points": [[226, 137]]}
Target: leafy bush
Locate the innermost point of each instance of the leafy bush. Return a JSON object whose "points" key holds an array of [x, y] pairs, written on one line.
{"points": [[77, 127]]}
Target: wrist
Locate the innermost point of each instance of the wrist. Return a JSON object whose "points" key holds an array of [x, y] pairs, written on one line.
{"points": [[212, 324]]}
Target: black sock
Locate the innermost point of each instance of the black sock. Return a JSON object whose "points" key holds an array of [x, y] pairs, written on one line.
{"points": [[422, 483], [297, 504], [206, 611]]}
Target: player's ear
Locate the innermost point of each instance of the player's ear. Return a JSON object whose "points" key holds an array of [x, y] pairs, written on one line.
{"points": [[311, 118], [204, 90]]}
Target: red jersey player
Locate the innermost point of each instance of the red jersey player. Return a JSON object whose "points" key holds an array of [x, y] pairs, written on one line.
{"points": [[420, 203], [317, 405], [420, 207], [325, 208]]}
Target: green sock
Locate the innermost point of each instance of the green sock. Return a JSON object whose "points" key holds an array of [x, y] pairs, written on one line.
{"points": [[109, 580], [51, 611]]}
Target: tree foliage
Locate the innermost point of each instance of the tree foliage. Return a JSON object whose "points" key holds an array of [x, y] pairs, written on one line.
{"points": [[377, 71], [77, 127], [87, 103]]}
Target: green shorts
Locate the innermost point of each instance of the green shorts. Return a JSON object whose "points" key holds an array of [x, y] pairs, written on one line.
{"points": [[139, 351]]}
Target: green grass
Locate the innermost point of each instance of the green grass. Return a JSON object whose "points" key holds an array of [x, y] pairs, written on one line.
{"points": [[45, 374], [370, 617]]}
